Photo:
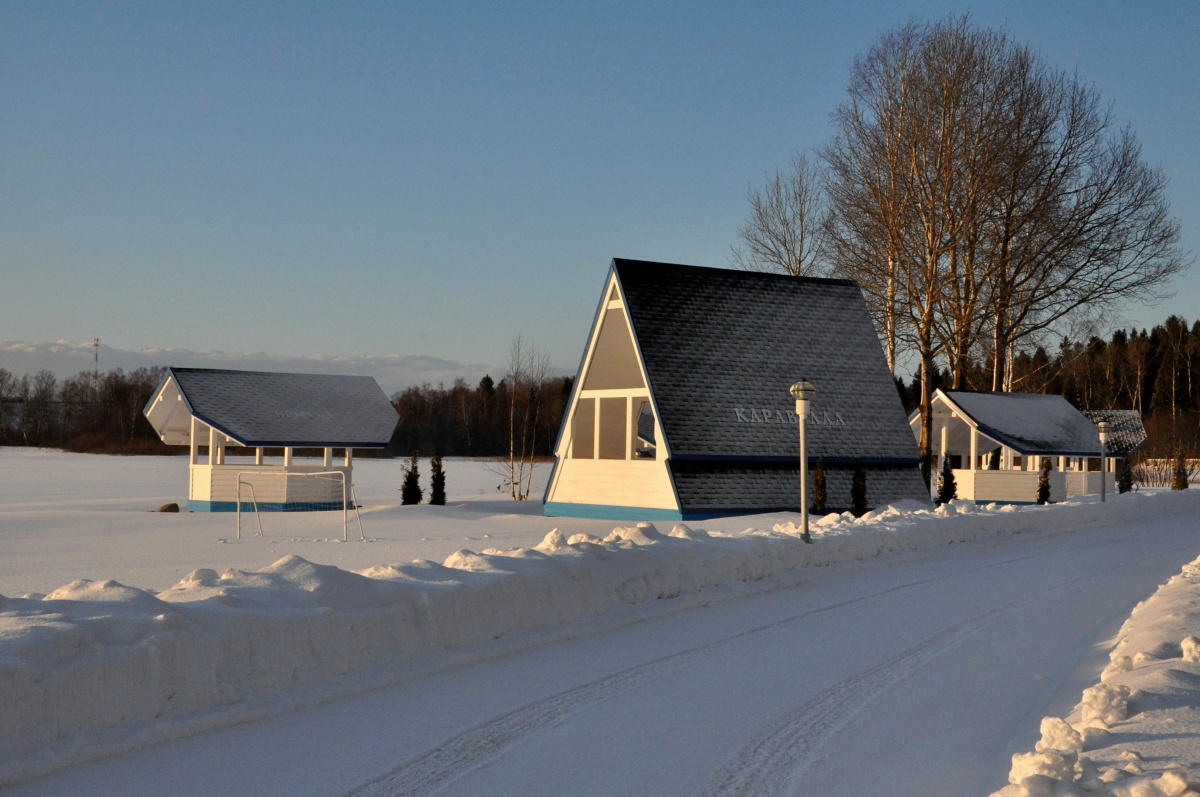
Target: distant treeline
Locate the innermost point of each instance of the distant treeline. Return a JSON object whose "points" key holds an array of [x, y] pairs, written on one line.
{"points": [[86, 412], [104, 415], [475, 421], [1156, 372]]}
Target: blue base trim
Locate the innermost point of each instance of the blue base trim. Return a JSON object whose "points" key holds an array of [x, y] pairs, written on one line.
{"points": [[608, 512], [264, 506]]}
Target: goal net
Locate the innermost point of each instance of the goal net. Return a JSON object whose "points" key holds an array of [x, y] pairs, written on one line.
{"points": [[261, 492]]}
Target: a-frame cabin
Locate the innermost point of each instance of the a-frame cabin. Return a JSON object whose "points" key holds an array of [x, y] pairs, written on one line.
{"points": [[681, 407]]}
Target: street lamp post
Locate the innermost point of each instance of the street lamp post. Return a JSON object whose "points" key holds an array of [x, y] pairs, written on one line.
{"points": [[803, 392], [1103, 428]]}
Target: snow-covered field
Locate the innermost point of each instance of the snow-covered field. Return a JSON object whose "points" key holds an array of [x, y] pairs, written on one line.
{"points": [[138, 628]]}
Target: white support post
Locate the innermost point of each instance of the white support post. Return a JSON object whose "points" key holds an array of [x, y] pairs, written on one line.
{"points": [[193, 443], [1062, 464], [258, 456], [942, 456], [630, 428], [212, 446], [349, 457], [287, 457], [974, 449], [328, 461]]}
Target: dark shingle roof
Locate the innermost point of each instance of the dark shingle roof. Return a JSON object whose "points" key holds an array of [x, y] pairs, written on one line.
{"points": [[259, 408], [722, 348], [770, 486], [1125, 430]]}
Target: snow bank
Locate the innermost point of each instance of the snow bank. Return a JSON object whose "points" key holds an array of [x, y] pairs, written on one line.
{"points": [[1132, 734], [97, 667]]}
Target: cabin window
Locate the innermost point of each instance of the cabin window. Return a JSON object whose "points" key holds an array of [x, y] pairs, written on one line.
{"points": [[583, 435], [643, 428], [1093, 464], [612, 428]]}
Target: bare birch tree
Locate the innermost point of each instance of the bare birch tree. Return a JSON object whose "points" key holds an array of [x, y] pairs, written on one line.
{"points": [[785, 231], [527, 370], [907, 130]]}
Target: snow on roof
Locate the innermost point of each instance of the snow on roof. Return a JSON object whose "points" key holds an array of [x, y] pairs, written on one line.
{"points": [[1030, 423], [261, 408]]}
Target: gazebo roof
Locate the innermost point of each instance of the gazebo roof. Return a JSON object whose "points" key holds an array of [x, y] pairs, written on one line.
{"points": [[261, 409], [1029, 423]]}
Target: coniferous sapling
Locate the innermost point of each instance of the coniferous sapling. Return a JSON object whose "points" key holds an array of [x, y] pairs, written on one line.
{"points": [[858, 490], [819, 494], [948, 490], [1043, 484], [1179, 476], [410, 490], [437, 481], [1125, 482]]}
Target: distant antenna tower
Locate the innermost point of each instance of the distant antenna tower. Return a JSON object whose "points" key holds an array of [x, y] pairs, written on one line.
{"points": [[96, 364]]}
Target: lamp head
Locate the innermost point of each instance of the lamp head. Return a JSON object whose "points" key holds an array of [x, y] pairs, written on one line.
{"points": [[803, 390]]}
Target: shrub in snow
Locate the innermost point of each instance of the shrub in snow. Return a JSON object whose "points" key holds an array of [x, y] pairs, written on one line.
{"points": [[410, 490], [1125, 482], [1043, 484], [437, 481], [948, 490], [1179, 476], [1105, 703], [818, 502], [1190, 648], [858, 490]]}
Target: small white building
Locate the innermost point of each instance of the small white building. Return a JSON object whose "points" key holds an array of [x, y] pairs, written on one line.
{"points": [[211, 410], [996, 443]]}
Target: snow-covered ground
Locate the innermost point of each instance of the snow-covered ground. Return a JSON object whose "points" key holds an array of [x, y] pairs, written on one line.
{"points": [[141, 628]]}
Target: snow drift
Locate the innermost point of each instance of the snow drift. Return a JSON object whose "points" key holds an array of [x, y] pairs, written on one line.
{"points": [[95, 668], [1133, 733]]}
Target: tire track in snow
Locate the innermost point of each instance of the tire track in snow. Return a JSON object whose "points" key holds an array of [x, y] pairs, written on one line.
{"points": [[774, 762], [478, 746]]}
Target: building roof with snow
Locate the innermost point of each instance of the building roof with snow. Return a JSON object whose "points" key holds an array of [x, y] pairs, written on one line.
{"points": [[1126, 433], [705, 358], [265, 409], [1029, 423]]}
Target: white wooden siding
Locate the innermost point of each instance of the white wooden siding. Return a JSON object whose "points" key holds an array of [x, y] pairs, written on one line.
{"points": [[219, 483], [1079, 483], [1016, 486], [614, 482]]}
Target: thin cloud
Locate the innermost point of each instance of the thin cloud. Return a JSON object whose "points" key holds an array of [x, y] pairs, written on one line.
{"points": [[394, 372]]}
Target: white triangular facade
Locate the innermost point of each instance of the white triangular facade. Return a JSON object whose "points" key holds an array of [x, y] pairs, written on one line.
{"points": [[612, 454]]}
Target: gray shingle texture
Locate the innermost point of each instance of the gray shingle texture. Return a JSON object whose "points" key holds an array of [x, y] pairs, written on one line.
{"points": [[752, 487], [259, 408], [1125, 430], [722, 348]]}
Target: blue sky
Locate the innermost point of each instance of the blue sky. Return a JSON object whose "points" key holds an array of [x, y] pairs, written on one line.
{"points": [[396, 179]]}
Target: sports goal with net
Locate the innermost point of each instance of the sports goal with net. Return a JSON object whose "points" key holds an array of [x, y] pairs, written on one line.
{"points": [[262, 491]]}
